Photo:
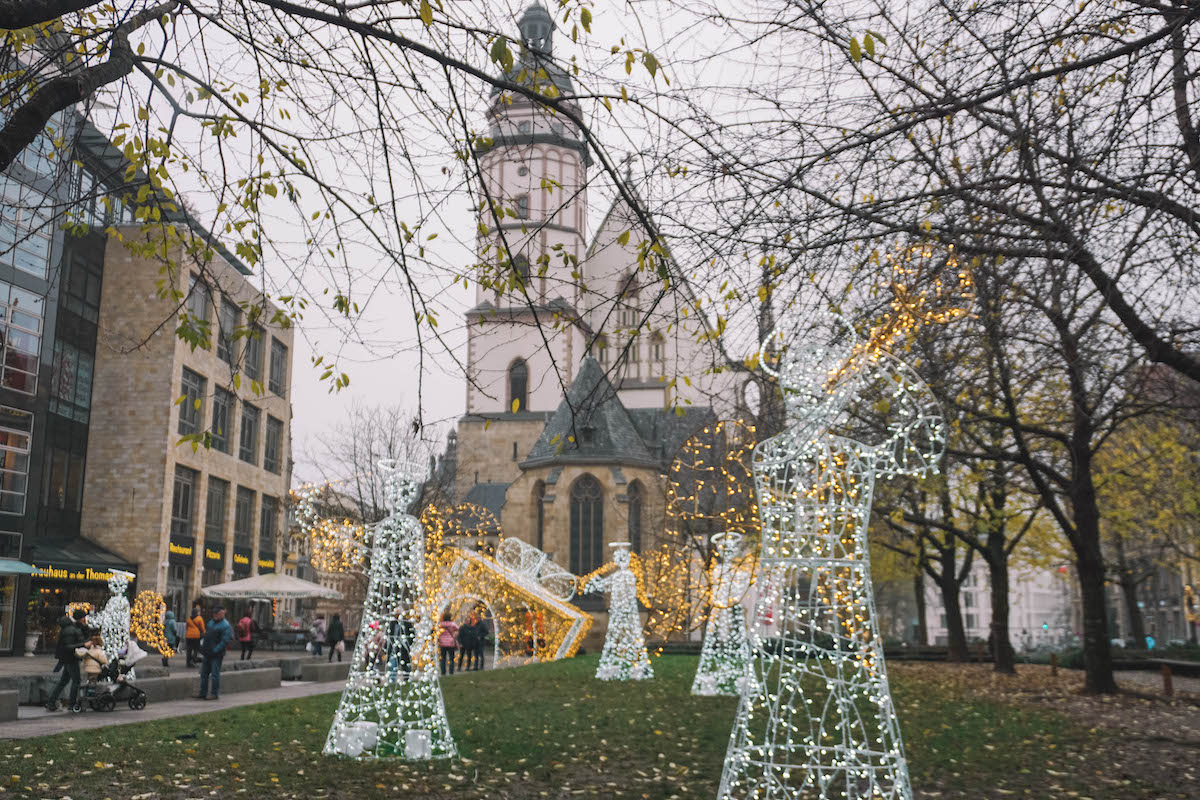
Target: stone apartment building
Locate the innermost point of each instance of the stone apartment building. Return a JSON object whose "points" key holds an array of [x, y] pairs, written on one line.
{"points": [[188, 517]]}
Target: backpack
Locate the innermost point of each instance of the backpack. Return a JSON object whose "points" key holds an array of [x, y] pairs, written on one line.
{"points": [[242, 629]]}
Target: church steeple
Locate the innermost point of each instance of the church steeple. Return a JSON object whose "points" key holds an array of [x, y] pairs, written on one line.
{"points": [[536, 29]]}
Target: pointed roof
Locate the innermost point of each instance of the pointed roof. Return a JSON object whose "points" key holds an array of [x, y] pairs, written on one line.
{"points": [[591, 425]]}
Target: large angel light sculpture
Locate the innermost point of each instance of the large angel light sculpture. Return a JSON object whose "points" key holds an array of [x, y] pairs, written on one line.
{"points": [[816, 719], [114, 618], [725, 653], [387, 711], [624, 656]]}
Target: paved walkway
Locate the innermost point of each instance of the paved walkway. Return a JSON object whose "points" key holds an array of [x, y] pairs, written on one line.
{"points": [[36, 721]]}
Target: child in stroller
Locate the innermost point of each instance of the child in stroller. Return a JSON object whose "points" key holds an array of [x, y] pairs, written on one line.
{"points": [[113, 680]]}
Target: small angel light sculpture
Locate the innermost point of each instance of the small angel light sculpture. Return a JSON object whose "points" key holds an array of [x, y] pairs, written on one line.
{"points": [[725, 653], [624, 656], [114, 618]]}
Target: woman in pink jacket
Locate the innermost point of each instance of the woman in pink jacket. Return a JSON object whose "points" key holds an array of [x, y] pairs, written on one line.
{"points": [[448, 641]]}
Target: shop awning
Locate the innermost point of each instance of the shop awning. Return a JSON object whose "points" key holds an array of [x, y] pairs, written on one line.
{"points": [[10, 566], [272, 585], [75, 555]]}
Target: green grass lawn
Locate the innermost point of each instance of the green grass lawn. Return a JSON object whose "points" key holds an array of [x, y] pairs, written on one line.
{"points": [[547, 731]]}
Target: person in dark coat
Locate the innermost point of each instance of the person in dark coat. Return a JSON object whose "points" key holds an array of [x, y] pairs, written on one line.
{"points": [[482, 632], [70, 637], [335, 636], [467, 641]]}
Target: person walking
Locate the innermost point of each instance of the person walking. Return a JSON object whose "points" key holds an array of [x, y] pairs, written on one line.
{"points": [[482, 632], [217, 636], [335, 638], [317, 634], [70, 637], [448, 641], [246, 630], [195, 632], [466, 641], [170, 632]]}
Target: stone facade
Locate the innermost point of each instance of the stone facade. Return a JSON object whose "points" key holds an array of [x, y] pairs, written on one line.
{"points": [[133, 443]]}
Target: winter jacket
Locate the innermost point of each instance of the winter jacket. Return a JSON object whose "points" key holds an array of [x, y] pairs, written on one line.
{"points": [[217, 637], [448, 636], [336, 632], [70, 637], [195, 627], [169, 630], [468, 635], [245, 629], [317, 631], [93, 660]]}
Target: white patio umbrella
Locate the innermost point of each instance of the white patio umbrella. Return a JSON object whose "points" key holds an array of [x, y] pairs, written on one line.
{"points": [[271, 585]]}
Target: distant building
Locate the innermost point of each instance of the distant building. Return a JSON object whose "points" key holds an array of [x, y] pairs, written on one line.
{"points": [[91, 478], [1042, 608]]}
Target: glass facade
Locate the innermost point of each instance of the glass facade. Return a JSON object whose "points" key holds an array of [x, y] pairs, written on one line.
{"points": [[16, 432], [21, 316], [27, 230], [71, 381]]}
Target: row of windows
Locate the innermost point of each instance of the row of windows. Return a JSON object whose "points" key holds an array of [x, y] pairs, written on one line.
{"points": [[191, 421], [229, 316], [184, 506], [657, 350]]}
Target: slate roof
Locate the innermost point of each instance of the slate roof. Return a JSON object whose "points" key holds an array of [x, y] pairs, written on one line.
{"points": [[607, 432], [489, 496]]}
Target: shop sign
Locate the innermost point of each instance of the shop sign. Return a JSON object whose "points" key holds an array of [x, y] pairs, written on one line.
{"points": [[71, 573], [214, 555], [180, 550], [266, 565], [241, 560]]}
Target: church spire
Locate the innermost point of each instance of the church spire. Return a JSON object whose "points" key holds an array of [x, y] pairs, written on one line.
{"points": [[536, 29]]}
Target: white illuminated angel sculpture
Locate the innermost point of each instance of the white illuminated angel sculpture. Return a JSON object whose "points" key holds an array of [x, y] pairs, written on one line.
{"points": [[816, 719], [726, 651], [624, 655], [392, 705], [114, 618]]}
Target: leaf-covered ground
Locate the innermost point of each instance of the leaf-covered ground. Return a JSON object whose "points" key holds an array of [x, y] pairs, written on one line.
{"points": [[553, 731]]}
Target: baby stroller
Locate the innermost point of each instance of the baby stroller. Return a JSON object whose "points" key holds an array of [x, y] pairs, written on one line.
{"points": [[115, 684]]}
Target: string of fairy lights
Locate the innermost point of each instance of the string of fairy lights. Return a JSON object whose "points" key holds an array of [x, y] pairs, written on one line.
{"points": [[146, 621]]}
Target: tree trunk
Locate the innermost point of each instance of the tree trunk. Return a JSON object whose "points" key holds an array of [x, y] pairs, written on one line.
{"points": [[922, 622], [1003, 658], [956, 635], [1137, 624], [1089, 561]]}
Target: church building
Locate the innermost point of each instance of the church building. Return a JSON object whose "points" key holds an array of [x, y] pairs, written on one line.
{"points": [[569, 471]]}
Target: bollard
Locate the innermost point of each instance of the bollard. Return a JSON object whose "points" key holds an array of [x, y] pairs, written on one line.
{"points": [[1053, 664], [1168, 684]]}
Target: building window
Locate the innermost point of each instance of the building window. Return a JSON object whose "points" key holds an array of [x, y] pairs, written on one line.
{"points": [[539, 511], [278, 379], [268, 520], [192, 404], [25, 228], [254, 353], [215, 508], [82, 271], [222, 419], [71, 381], [21, 328], [522, 171], [521, 268], [230, 317], [62, 487], [634, 497], [587, 525], [601, 349], [524, 126], [183, 505], [657, 348], [198, 299], [248, 444], [274, 445], [518, 386], [243, 517], [16, 430], [522, 205]]}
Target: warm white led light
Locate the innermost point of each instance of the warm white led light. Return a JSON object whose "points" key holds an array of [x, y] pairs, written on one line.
{"points": [[114, 619]]}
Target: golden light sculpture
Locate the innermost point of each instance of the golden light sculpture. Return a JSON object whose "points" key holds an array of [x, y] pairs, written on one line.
{"points": [[146, 621]]}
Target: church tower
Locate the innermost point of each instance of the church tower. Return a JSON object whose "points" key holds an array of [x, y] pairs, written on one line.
{"points": [[522, 343]]}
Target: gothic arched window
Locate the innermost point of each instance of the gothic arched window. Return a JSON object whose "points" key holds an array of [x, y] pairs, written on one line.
{"points": [[518, 386], [601, 350], [521, 267], [587, 525], [634, 497], [539, 514]]}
